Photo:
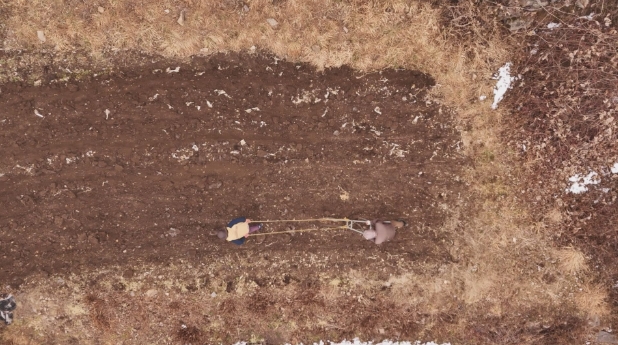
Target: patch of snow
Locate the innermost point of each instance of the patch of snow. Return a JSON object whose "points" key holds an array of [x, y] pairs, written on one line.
{"points": [[208, 104], [36, 112], [262, 124], [615, 168], [504, 83], [153, 97], [252, 109], [90, 153], [107, 112], [175, 70], [482, 98], [70, 160], [195, 148], [377, 110], [552, 26], [580, 182], [243, 142]]}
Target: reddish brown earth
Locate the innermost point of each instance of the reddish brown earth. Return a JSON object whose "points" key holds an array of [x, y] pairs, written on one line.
{"points": [[80, 189]]}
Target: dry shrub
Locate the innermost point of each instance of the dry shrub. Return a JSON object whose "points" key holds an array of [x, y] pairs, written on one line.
{"points": [[189, 335], [572, 260], [592, 301], [99, 313]]}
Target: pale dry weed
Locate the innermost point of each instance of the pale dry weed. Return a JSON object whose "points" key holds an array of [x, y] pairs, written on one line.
{"points": [[572, 261], [592, 301]]}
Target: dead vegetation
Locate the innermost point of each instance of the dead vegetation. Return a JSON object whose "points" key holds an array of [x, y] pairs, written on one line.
{"points": [[503, 261]]}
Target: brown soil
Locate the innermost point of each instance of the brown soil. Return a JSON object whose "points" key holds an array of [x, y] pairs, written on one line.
{"points": [[151, 180]]}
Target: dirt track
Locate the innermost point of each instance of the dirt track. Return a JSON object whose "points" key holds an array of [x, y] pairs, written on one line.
{"points": [[143, 165]]}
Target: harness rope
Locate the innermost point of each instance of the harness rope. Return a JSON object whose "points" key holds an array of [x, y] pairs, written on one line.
{"points": [[349, 223], [300, 230], [302, 220]]}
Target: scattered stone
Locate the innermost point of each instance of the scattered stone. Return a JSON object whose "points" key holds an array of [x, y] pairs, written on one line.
{"points": [[93, 239], [518, 24], [7, 305], [213, 295], [533, 5], [273, 23], [581, 3], [151, 293], [58, 221], [173, 232], [215, 185], [181, 18], [606, 338], [41, 35]]}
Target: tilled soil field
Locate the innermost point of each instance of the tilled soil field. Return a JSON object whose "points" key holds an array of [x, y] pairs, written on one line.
{"points": [[142, 166]]}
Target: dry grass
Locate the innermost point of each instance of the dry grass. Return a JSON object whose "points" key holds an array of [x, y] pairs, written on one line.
{"points": [[497, 250], [592, 301], [572, 261]]}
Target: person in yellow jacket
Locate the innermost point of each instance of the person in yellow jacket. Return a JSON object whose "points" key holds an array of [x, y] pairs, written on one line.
{"points": [[238, 230]]}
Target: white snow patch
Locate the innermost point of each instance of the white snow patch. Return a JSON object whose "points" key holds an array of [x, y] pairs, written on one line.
{"points": [[195, 148], [580, 182], [252, 109], [175, 70], [107, 112], [243, 142], [482, 97], [70, 160], [615, 168], [504, 83], [552, 26], [36, 112], [90, 153], [377, 110], [208, 104]]}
